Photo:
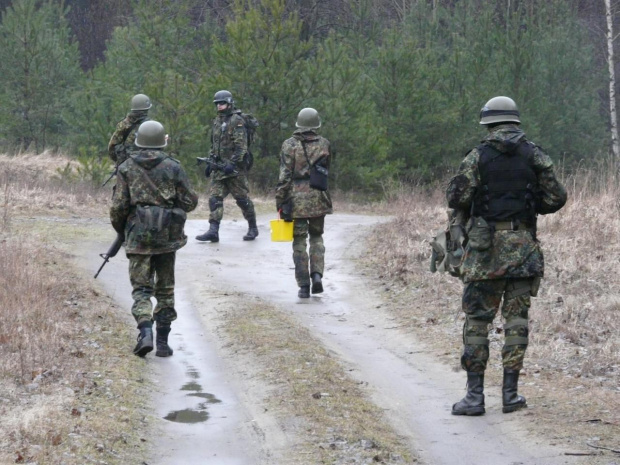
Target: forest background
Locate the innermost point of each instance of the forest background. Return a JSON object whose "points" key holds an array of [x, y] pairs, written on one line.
{"points": [[398, 83]]}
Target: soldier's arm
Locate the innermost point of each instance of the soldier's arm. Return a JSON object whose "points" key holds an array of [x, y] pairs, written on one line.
{"points": [[186, 198], [551, 195], [120, 133], [119, 210], [285, 180], [462, 187], [240, 141]]}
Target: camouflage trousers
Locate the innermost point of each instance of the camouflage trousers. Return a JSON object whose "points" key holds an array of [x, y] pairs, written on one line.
{"points": [[238, 187], [481, 301], [153, 276], [314, 262]]}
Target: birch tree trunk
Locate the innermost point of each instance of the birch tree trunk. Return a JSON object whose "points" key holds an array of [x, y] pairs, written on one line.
{"points": [[612, 83]]}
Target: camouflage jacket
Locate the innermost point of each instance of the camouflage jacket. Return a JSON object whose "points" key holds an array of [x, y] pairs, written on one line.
{"points": [[122, 141], [294, 180], [229, 142], [513, 254], [149, 177]]}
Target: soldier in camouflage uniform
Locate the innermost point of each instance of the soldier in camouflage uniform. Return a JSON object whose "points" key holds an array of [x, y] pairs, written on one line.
{"points": [[149, 207], [297, 201], [121, 142], [503, 184], [229, 145]]}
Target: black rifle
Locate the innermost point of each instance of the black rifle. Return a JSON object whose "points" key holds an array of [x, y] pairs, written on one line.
{"points": [[112, 251], [214, 164], [112, 174]]}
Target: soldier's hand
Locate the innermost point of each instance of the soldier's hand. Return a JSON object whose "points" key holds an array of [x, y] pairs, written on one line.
{"points": [[229, 168], [286, 212]]}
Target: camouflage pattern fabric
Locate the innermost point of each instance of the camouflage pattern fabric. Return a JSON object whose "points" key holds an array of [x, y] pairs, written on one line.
{"points": [[238, 187], [314, 262], [294, 181], [150, 177], [153, 276], [125, 135], [481, 301], [514, 254], [228, 142]]}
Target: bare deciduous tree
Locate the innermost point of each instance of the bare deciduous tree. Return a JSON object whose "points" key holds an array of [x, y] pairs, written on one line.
{"points": [[612, 81]]}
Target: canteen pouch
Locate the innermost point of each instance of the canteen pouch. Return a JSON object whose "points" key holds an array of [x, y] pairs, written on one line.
{"points": [[480, 234], [318, 177], [152, 225]]}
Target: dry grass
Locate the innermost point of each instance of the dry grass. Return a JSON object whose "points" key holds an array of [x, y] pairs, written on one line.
{"points": [[68, 392], [572, 367]]}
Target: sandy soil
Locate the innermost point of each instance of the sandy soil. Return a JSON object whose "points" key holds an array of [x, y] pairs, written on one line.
{"points": [[210, 401]]}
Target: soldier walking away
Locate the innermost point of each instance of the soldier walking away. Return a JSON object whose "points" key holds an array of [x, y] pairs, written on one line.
{"points": [[122, 141], [228, 167], [302, 197], [149, 207], [502, 185]]}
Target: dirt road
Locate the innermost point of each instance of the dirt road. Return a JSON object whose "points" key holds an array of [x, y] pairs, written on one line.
{"points": [[212, 413]]}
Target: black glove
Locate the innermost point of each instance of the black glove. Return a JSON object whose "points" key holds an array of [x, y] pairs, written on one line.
{"points": [[229, 168], [208, 170], [286, 211]]}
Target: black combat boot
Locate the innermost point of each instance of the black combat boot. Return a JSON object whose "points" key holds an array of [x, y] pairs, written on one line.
{"points": [[511, 400], [145, 339], [161, 341], [304, 292], [317, 284], [252, 231], [212, 235], [473, 402]]}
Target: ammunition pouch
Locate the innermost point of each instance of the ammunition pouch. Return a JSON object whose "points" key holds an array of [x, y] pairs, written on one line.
{"points": [[152, 226], [479, 234]]}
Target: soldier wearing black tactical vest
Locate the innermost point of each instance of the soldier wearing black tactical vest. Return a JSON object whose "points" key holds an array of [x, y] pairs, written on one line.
{"points": [[122, 141], [227, 168], [501, 186]]}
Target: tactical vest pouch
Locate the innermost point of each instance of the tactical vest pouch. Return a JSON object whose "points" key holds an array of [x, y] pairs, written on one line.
{"points": [[318, 177], [152, 225], [177, 224], [480, 234]]}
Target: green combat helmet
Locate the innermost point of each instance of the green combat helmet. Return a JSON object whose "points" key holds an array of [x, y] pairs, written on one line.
{"points": [[151, 135], [308, 119], [140, 102], [499, 110]]}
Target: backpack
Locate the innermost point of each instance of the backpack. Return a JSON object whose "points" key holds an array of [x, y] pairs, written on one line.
{"points": [[250, 123]]}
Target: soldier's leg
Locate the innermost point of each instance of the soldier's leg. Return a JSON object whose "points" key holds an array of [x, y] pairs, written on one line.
{"points": [[300, 256], [317, 252], [515, 311], [481, 301], [217, 192], [239, 189], [164, 313], [141, 275]]}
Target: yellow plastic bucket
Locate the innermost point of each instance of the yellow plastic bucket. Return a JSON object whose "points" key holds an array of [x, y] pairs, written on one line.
{"points": [[281, 231]]}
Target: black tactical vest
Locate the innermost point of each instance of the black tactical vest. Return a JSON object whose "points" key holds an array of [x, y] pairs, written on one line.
{"points": [[507, 185]]}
